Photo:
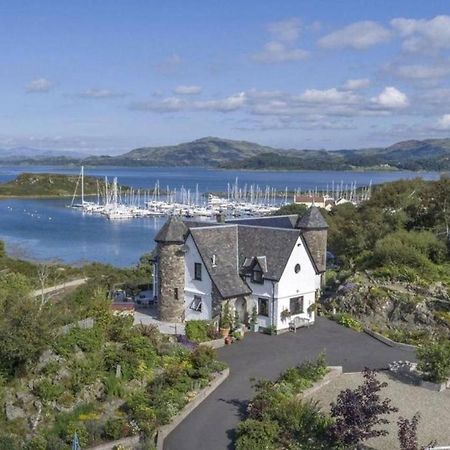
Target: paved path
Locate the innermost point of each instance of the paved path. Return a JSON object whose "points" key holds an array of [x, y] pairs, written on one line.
{"points": [[210, 427], [149, 316], [59, 287]]}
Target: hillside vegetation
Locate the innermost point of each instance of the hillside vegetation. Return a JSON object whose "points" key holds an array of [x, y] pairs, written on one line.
{"points": [[69, 365], [49, 185], [391, 265], [393, 259]]}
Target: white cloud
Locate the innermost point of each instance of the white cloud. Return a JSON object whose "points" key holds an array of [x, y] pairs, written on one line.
{"points": [[40, 85], [391, 98], [358, 35], [444, 122], [101, 94], [421, 71], [282, 48], [423, 35], [187, 90], [285, 30], [355, 84], [175, 104], [169, 104], [276, 52], [231, 103], [332, 95]]}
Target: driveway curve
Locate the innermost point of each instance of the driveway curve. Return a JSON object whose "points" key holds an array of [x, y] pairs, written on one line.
{"points": [[211, 426]]}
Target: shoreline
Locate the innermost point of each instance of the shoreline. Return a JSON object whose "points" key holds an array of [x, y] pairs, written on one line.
{"points": [[225, 169], [37, 197]]}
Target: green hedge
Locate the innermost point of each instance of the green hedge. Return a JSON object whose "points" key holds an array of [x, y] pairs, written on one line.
{"points": [[197, 330]]}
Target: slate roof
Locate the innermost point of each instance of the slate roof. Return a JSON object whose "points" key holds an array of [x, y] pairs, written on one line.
{"points": [[276, 244], [312, 219], [288, 221], [239, 243], [221, 241], [174, 231]]}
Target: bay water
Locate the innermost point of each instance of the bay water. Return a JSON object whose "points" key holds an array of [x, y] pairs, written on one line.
{"points": [[47, 230]]}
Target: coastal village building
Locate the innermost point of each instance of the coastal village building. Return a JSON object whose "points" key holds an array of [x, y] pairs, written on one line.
{"points": [[273, 263], [321, 201]]}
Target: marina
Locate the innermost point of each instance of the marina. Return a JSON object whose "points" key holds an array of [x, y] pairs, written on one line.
{"points": [[46, 229], [237, 201]]}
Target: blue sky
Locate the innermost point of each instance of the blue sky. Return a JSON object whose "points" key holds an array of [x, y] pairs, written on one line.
{"points": [[108, 76]]}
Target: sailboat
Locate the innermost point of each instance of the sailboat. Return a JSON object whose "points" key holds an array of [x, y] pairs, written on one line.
{"points": [[80, 178], [83, 204]]}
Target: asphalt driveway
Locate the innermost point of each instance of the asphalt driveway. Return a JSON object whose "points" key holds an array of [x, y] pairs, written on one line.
{"points": [[211, 426]]}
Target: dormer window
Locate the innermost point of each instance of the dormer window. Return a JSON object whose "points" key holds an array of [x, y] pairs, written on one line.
{"points": [[257, 275]]}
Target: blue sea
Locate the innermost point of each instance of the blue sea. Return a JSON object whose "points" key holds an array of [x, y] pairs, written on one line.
{"points": [[48, 230]]}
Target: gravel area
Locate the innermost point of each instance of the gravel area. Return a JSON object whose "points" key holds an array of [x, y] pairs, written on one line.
{"points": [[148, 316], [434, 408]]}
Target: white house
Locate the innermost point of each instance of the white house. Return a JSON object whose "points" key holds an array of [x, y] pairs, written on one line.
{"points": [[272, 263]]}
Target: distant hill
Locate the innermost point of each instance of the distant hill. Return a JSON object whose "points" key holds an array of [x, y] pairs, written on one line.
{"points": [[205, 152], [429, 154], [26, 153]]}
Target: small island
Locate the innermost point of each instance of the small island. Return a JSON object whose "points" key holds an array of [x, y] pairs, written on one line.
{"points": [[47, 185]]}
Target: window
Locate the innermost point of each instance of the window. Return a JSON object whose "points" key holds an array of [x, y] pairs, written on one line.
{"points": [[175, 293], [196, 304], [297, 268], [198, 271], [296, 305], [263, 307], [257, 275]]}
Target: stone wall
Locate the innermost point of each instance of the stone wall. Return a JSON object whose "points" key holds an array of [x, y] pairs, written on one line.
{"points": [[216, 302], [171, 282], [317, 244]]}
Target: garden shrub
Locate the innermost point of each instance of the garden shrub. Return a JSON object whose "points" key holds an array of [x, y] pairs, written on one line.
{"points": [[197, 330], [87, 340], [48, 391], [203, 356], [139, 407], [348, 321], [277, 418], [120, 328], [37, 443], [256, 435], [406, 336], [303, 376], [433, 360], [113, 386], [416, 249], [116, 428], [357, 412]]}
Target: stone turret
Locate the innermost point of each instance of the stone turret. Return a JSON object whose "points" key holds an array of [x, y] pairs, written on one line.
{"points": [[315, 231], [170, 270]]}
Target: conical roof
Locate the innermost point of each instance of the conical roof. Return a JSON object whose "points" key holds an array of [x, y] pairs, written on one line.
{"points": [[312, 219], [173, 231]]}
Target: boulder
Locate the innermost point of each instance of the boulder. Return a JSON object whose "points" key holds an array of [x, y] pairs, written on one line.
{"points": [[14, 412], [47, 357]]}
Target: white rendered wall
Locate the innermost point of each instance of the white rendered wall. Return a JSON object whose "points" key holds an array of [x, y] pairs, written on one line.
{"points": [[305, 283], [264, 291], [202, 288]]}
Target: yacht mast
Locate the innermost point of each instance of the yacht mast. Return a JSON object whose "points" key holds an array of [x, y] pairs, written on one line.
{"points": [[82, 185]]}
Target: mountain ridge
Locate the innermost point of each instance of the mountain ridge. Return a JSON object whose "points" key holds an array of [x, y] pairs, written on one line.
{"points": [[427, 154]]}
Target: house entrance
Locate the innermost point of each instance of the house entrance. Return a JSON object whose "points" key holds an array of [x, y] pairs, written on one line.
{"points": [[241, 308]]}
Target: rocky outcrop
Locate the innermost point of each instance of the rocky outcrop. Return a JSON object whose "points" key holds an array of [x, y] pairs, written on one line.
{"points": [[378, 304]]}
